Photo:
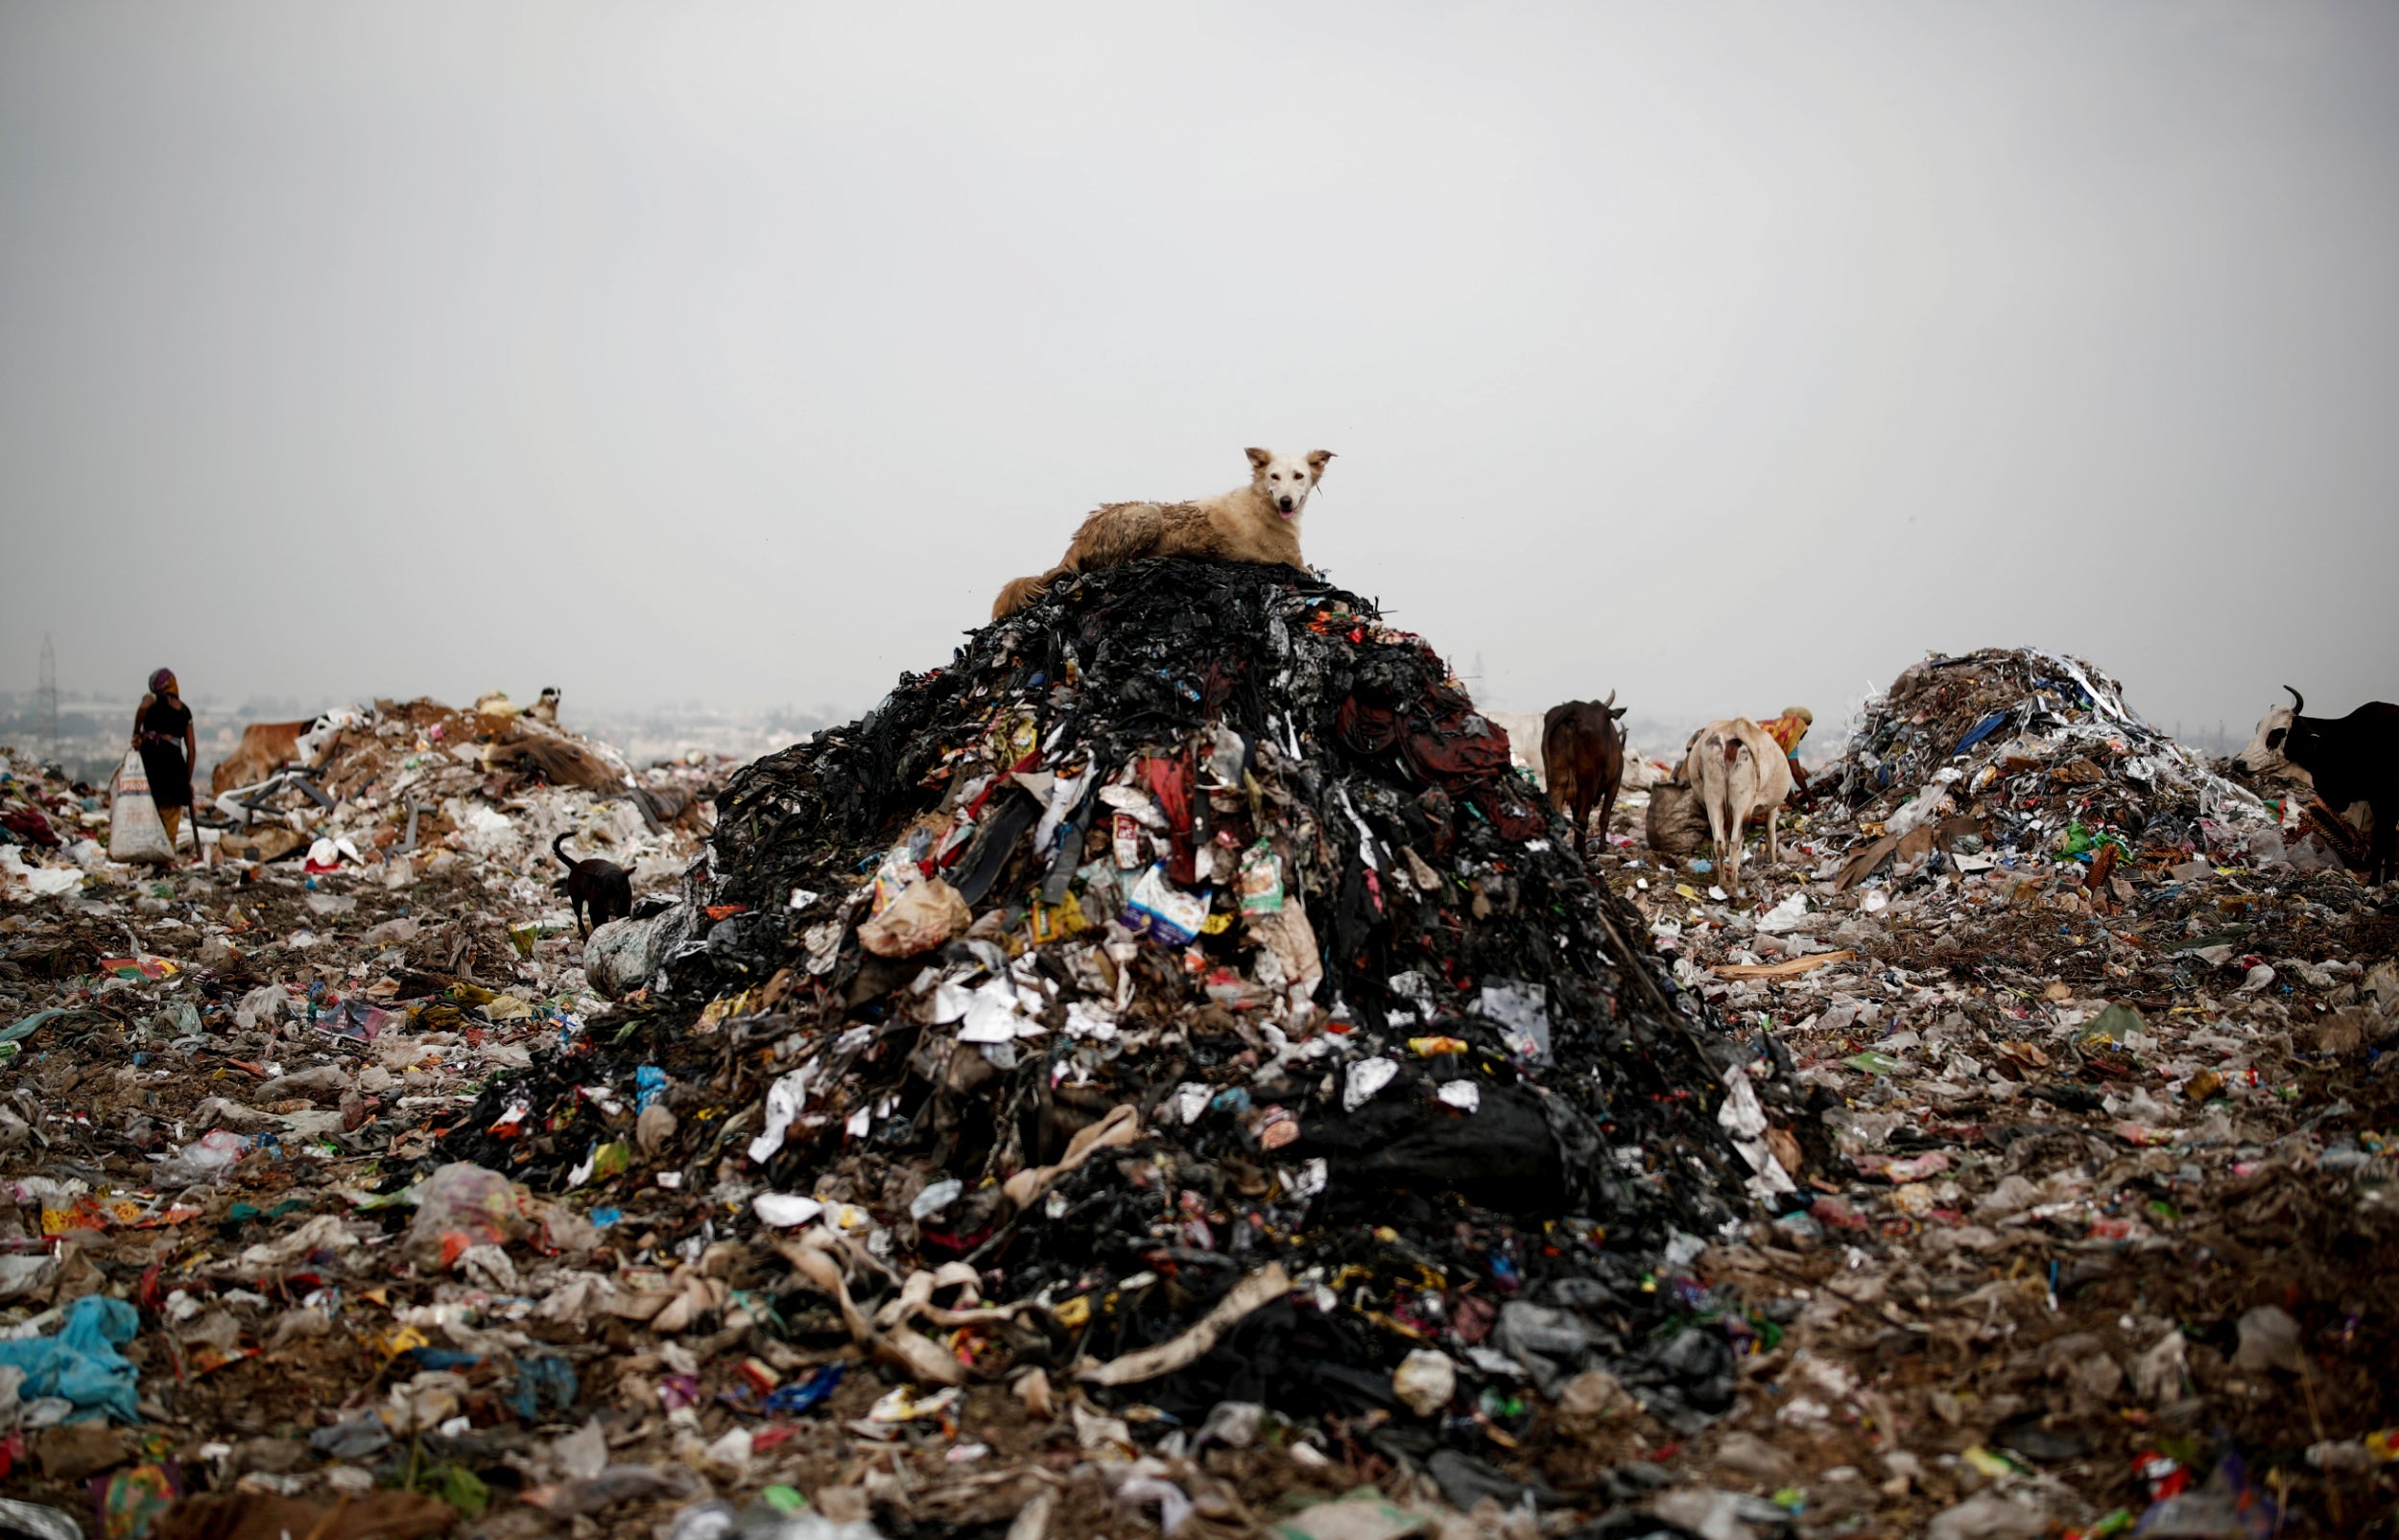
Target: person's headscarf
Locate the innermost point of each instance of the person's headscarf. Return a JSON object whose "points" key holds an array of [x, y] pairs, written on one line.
{"points": [[162, 682]]}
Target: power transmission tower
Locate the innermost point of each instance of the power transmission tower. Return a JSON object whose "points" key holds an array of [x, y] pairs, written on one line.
{"points": [[46, 703]]}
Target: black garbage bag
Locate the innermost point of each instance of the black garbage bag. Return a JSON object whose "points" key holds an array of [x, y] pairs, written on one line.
{"points": [[1502, 1157]]}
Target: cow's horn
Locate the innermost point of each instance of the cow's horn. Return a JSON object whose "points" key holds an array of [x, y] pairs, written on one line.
{"points": [[1610, 700], [2298, 701]]}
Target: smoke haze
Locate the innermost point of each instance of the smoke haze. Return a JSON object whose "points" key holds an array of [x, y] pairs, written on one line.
{"points": [[1726, 357]]}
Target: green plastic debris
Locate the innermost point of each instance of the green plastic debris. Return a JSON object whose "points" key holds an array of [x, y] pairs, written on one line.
{"points": [[1873, 1061], [2118, 1021], [2229, 936], [1991, 1462], [612, 1159], [458, 1487], [2079, 841], [25, 1027], [1498, 1405], [782, 1499], [409, 1196]]}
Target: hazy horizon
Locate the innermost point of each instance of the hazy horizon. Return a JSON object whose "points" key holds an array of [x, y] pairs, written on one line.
{"points": [[1723, 356]]}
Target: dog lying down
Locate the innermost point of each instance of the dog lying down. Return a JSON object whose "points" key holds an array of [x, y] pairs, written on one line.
{"points": [[1259, 523]]}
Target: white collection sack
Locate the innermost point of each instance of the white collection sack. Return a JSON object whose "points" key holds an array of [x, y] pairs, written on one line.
{"points": [[135, 829]]}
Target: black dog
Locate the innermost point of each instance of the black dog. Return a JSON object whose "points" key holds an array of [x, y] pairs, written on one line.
{"points": [[602, 888]]}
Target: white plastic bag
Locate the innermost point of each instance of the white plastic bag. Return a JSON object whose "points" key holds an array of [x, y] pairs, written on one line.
{"points": [[134, 831], [40, 882]]}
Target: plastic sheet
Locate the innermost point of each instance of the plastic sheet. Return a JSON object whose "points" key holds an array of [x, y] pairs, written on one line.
{"points": [[82, 1364]]}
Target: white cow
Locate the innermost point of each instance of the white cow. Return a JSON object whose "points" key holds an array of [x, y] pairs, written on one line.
{"points": [[2263, 757], [1740, 771]]}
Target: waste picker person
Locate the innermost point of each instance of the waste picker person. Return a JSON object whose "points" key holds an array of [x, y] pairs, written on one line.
{"points": [[162, 733], [1787, 730]]}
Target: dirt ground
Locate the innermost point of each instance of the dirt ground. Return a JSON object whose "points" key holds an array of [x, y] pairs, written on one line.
{"points": [[1919, 1328]]}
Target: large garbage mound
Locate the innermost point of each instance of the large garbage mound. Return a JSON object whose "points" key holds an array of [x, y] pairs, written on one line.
{"points": [[2045, 746], [1205, 871]]}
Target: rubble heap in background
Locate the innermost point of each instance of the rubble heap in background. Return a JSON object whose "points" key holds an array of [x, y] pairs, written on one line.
{"points": [[410, 773], [2045, 748]]}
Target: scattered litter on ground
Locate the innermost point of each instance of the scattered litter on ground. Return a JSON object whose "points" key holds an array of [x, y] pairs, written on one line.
{"points": [[1167, 1069]]}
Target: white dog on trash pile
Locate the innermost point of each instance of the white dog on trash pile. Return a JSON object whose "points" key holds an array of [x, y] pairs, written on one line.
{"points": [[1740, 771]]}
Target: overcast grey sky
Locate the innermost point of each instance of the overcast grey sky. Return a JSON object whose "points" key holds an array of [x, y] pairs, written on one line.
{"points": [[1723, 356]]}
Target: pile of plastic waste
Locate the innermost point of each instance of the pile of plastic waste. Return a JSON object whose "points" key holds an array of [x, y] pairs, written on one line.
{"points": [[2045, 746], [1184, 972]]}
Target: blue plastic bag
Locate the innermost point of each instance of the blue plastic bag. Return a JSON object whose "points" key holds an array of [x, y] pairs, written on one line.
{"points": [[82, 1364]]}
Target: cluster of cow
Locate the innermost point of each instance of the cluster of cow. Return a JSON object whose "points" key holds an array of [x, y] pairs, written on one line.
{"points": [[1737, 767], [1740, 771]]}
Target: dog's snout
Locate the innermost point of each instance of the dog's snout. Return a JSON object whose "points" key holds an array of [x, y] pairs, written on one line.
{"points": [[1286, 502]]}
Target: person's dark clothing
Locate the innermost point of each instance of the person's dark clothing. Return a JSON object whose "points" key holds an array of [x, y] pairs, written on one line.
{"points": [[163, 724]]}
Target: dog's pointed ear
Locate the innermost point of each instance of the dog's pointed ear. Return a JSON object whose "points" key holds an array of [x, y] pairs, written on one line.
{"points": [[1259, 458], [1317, 459]]}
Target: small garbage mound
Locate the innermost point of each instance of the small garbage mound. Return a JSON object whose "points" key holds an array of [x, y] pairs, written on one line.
{"points": [[44, 850], [1184, 971], [406, 779], [2046, 748]]}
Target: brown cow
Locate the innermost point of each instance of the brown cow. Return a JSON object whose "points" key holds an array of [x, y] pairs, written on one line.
{"points": [[264, 746], [267, 746], [1582, 758]]}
